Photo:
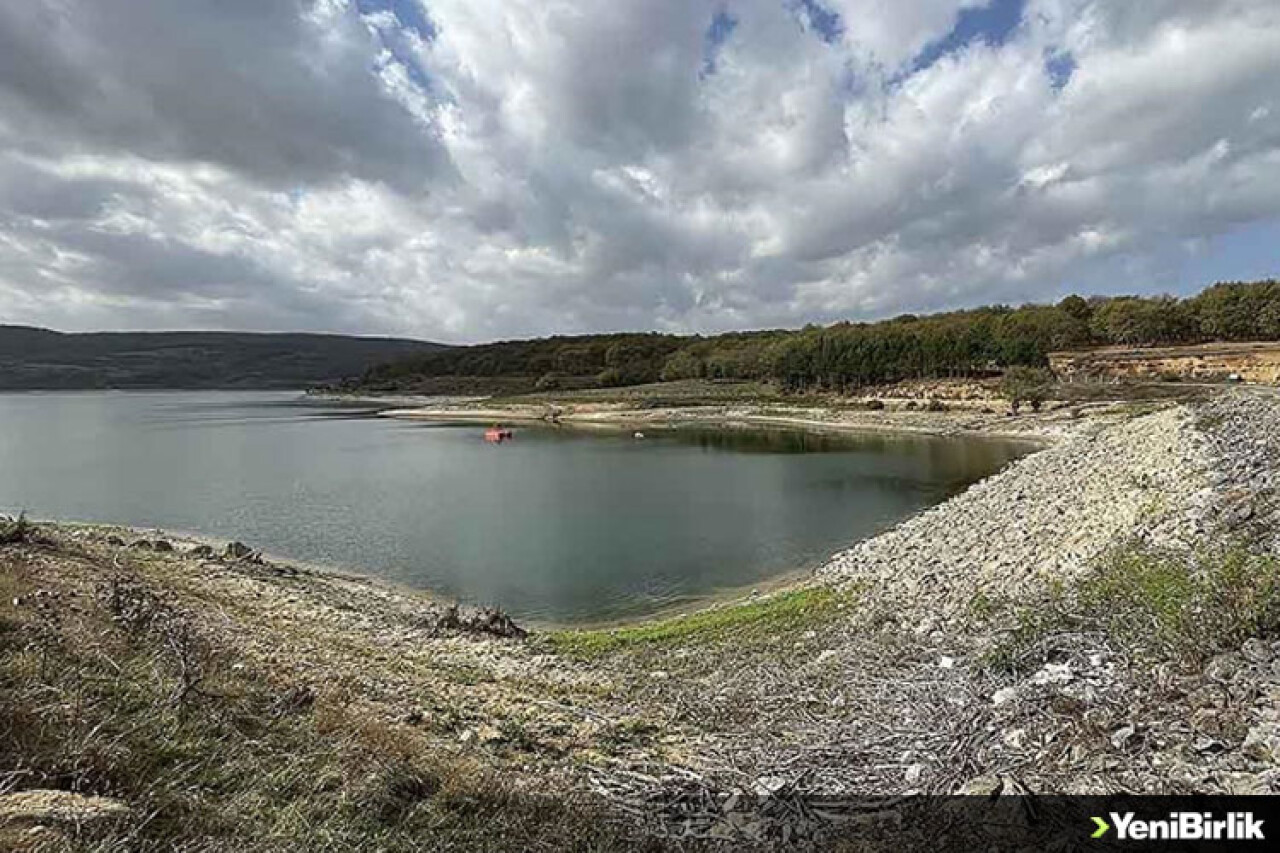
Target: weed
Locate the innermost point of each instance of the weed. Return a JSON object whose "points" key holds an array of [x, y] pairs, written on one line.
{"points": [[1157, 604], [1185, 606]]}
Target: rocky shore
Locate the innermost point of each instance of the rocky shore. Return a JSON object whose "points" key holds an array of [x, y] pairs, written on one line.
{"points": [[1045, 518]]}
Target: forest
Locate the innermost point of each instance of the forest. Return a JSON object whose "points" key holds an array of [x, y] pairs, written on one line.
{"points": [[846, 356]]}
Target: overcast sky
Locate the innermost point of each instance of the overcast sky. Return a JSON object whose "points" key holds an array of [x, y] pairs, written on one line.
{"points": [[462, 170]]}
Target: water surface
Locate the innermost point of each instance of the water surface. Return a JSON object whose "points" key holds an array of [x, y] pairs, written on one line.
{"points": [[557, 524]]}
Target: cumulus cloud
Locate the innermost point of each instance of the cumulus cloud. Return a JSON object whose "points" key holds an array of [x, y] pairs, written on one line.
{"points": [[471, 169]]}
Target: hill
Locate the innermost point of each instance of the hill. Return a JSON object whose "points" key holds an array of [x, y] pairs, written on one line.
{"points": [[32, 358], [844, 356]]}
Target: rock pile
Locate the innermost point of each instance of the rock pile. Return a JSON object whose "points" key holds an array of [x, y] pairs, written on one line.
{"points": [[1047, 516]]}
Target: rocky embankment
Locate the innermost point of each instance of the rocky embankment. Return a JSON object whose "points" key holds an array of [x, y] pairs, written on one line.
{"points": [[1045, 518], [1079, 708]]}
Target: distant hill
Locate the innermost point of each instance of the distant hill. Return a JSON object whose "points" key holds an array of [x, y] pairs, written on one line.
{"points": [[845, 356], [32, 358]]}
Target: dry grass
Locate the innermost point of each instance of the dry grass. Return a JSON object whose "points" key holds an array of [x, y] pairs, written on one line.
{"points": [[108, 688]]}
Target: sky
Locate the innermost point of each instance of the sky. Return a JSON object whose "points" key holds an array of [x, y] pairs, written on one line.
{"points": [[468, 170]]}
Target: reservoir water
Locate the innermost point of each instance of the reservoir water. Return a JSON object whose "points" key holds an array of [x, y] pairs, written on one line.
{"points": [[555, 525]]}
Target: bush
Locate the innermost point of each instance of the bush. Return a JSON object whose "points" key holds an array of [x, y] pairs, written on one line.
{"points": [[16, 530], [935, 405], [875, 405], [1025, 385]]}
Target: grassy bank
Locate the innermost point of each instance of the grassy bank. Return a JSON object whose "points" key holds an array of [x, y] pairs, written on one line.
{"points": [[749, 622]]}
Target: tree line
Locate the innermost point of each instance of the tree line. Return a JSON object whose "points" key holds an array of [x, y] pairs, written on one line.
{"points": [[846, 356]]}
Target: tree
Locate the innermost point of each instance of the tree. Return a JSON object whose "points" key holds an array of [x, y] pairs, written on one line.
{"points": [[1028, 385]]}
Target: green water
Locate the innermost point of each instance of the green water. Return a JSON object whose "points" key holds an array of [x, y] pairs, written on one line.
{"points": [[557, 524]]}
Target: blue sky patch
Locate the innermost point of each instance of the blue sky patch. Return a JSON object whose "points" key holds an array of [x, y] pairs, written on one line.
{"points": [[991, 24], [819, 19], [1059, 67], [409, 13], [722, 26], [410, 18]]}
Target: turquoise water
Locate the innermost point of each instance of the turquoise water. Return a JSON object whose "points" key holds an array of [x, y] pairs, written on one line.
{"points": [[557, 524]]}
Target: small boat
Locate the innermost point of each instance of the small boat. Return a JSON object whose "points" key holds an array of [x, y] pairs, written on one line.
{"points": [[497, 434], [639, 435]]}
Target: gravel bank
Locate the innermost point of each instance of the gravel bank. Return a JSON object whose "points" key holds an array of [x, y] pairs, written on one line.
{"points": [[1044, 517]]}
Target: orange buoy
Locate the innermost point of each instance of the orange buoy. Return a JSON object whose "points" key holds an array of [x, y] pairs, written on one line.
{"points": [[497, 434]]}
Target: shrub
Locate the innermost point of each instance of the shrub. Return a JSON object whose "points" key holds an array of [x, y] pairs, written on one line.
{"points": [[1025, 385], [16, 530]]}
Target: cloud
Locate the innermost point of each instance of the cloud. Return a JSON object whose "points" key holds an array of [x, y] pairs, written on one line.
{"points": [[470, 169]]}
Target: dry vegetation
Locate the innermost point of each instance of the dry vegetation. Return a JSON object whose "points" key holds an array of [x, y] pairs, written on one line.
{"points": [[109, 687]]}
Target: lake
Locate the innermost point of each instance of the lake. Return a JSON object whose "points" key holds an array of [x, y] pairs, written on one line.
{"points": [[556, 525]]}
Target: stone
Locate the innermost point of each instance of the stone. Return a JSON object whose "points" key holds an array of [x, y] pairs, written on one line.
{"points": [[1053, 673], [1004, 695], [1256, 651], [982, 786], [767, 786], [1121, 736], [1223, 667], [1262, 743]]}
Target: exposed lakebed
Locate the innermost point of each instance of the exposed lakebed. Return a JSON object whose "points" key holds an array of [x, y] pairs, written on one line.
{"points": [[557, 524]]}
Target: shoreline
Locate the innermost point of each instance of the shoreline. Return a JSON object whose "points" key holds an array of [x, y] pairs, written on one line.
{"points": [[1036, 432], [1039, 428]]}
